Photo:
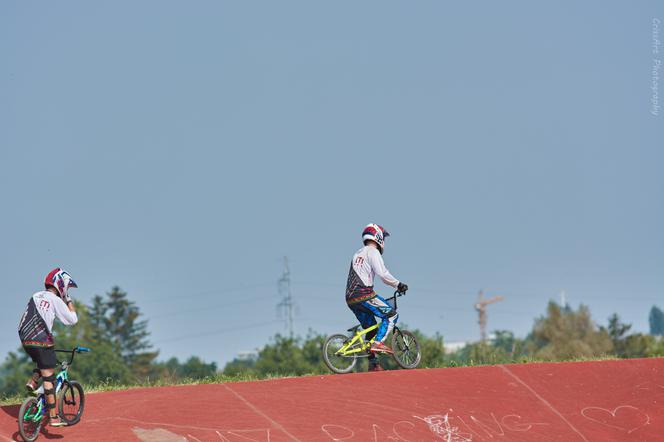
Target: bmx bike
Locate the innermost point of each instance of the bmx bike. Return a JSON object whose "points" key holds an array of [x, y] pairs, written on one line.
{"points": [[341, 351], [70, 400]]}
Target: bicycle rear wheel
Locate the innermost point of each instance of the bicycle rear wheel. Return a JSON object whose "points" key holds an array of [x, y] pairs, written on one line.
{"points": [[336, 362], [71, 402], [30, 420], [406, 349]]}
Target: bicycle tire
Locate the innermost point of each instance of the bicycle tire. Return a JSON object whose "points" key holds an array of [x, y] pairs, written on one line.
{"points": [[29, 430], [406, 348], [71, 402], [336, 363]]}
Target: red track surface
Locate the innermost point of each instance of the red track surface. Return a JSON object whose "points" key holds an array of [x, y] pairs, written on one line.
{"points": [[589, 401]]}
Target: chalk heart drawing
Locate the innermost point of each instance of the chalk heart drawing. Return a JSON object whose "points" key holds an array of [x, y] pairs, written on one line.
{"points": [[625, 417]]}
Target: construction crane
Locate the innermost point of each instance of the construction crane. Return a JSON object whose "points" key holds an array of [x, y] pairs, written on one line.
{"points": [[480, 306]]}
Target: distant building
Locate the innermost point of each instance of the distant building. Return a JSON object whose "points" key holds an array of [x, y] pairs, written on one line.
{"points": [[453, 347], [248, 355]]}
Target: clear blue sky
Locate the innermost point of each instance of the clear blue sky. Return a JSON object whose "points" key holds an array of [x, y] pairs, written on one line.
{"points": [[180, 149]]}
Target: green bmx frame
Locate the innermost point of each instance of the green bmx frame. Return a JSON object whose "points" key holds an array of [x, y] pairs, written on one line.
{"points": [[70, 400]]}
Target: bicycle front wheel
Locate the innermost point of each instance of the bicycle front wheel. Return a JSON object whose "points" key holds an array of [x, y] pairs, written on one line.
{"points": [[71, 402], [406, 349], [336, 362], [30, 419]]}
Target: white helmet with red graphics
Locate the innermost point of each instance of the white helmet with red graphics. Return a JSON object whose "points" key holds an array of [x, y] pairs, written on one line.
{"points": [[377, 234], [61, 281]]}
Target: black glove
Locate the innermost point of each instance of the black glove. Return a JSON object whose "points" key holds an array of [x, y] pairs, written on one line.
{"points": [[401, 288]]}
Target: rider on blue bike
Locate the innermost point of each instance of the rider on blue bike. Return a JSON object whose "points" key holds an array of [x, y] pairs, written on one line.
{"points": [[361, 297], [35, 333]]}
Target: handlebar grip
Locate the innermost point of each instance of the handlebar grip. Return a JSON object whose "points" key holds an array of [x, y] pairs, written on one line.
{"points": [[82, 349]]}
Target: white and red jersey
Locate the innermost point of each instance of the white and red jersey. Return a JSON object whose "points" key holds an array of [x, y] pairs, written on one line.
{"points": [[367, 263], [37, 321]]}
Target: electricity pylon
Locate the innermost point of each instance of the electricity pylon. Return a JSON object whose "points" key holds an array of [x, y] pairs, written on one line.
{"points": [[287, 304]]}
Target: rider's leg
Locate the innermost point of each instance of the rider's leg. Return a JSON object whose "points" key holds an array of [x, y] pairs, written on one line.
{"points": [[49, 390], [46, 361], [380, 308], [367, 320], [370, 309], [33, 382], [34, 354]]}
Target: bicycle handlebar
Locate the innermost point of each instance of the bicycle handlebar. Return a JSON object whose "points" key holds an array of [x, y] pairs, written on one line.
{"points": [[396, 294], [73, 351]]}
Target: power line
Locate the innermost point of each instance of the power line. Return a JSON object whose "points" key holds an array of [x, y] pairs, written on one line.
{"points": [[418, 289], [217, 332], [530, 294], [210, 308], [207, 293]]}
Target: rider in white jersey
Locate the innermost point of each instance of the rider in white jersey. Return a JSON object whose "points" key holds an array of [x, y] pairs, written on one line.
{"points": [[361, 297], [35, 332]]}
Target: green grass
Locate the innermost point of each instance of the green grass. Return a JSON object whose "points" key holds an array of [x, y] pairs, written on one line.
{"points": [[217, 379], [523, 360], [11, 400], [110, 385]]}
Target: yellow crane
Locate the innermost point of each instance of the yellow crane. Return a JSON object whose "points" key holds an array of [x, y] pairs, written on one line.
{"points": [[480, 306]]}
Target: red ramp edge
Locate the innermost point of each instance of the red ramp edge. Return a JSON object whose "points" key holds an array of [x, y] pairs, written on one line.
{"points": [[585, 401]]}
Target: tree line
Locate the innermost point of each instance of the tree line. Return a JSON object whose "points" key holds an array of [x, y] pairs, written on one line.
{"points": [[561, 334], [123, 355]]}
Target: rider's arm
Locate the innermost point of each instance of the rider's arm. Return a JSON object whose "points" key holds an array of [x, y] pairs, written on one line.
{"points": [[380, 270], [65, 312]]}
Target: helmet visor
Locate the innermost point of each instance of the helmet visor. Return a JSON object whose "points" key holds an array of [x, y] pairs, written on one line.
{"points": [[385, 232], [70, 282]]}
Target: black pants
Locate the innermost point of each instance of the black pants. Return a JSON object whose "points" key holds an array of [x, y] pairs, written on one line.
{"points": [[44, 357]]}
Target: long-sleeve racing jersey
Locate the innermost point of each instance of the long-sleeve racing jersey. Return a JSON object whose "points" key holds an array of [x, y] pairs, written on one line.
{"points": [[37, 321], [367, 263]]}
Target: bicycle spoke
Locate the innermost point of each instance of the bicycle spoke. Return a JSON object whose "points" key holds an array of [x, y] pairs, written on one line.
{"points": [[71, 403], [337, 356], [29, 419], [407, 350]]}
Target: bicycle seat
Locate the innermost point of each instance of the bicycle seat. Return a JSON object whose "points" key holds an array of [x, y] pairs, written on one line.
{"points": [[354, 329]]}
